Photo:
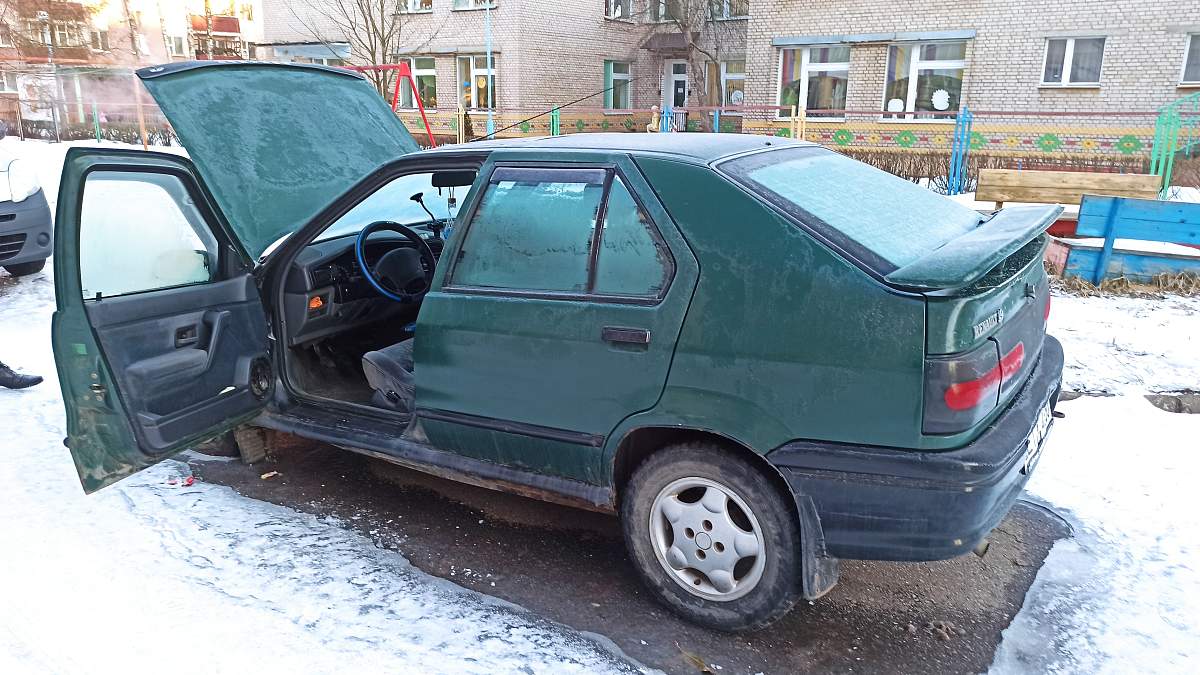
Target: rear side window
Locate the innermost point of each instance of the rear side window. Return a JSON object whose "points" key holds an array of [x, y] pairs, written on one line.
{"points": [[535, 230], [631, 261], [885, 221], [532, 231]]}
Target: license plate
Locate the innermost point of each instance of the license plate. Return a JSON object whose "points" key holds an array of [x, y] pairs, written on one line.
{"points": [[1037, 437]]}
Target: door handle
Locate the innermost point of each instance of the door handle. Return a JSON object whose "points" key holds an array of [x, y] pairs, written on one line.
{"points": [[636, 336], [186, 336]]}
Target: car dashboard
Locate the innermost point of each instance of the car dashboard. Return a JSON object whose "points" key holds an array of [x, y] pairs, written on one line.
{"points": [[327, 293]]}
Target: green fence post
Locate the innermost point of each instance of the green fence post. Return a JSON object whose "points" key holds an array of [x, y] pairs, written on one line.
{"points": [[555, 123], [96, 121]]}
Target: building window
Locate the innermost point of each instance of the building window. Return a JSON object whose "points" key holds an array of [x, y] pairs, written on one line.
{"points": [[665, 10], [618, 9], [925, 78], [733, 9], [417, 6], [477, 82], [727, 82], [1073, 61], [175, 44], [814, 79], [424, 72], [5, 36], [1191, 61], [8, 82], [616, 85], [473, 4], [100, 40]]}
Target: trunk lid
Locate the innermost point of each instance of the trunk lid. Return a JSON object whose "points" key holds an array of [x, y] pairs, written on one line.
{"points": [[275, 143]]}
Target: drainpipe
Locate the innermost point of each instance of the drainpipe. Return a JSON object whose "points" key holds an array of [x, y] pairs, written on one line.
{"points": [[487, 29]]}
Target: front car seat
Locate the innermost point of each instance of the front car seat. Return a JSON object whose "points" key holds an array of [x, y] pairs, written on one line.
{"points": [[389, 371]]}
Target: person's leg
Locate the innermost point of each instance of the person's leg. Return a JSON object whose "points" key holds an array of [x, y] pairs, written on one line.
{"points": [[11, 379]]}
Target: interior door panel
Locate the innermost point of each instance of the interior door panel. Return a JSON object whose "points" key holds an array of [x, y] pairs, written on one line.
{"points": [[181, 357]]}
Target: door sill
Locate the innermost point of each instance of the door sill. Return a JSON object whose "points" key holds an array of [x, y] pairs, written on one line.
{"points": [[383, 439]]}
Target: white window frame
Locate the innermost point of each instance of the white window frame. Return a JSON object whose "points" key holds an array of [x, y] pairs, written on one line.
{"points": [[806, 66], [468, 5], [915, 66], [724, 76], [727, 9], [1068, 61], [421, 72], [5, 37], [1192, 42], [414, 7], [610, 5], [176, 45], [475, 73], [6, 77], [657, 11], [624, 77]]}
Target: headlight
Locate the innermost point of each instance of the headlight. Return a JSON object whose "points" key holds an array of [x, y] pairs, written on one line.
{"points": [[22, 182]]}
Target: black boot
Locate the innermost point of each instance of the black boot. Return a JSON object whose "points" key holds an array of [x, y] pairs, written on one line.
{"points": [[13, 380]]}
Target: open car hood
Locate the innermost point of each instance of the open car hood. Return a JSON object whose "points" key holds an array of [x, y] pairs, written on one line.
{"points": [[275, 143]]}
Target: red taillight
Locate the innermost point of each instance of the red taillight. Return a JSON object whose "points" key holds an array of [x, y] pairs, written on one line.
{"points": [[1046, 316], [969, 394]]}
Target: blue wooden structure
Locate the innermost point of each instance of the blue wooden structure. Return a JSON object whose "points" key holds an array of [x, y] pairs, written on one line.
{"points": [[1138, 219], [960, 146]]}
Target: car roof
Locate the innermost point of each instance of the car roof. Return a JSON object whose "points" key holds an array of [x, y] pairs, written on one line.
{"points": [[698, 147]]}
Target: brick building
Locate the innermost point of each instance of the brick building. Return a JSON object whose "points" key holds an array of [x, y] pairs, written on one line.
{"points": [[1010, 55]]}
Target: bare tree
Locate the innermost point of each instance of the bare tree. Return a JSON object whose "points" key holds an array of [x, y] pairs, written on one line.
{"points": [[703, 39], [374, 29]]}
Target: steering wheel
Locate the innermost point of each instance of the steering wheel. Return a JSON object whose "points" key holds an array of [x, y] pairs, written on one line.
{"points": [[399, 275]]}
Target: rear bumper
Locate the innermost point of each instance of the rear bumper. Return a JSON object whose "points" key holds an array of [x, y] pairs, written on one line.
{"points": [[25, 230], [894, 504]]}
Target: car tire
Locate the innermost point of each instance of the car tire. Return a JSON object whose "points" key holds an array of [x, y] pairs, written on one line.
{"points": [[686, 482], [25, 269]]}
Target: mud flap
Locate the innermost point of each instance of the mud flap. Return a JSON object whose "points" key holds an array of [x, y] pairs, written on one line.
{"points": [[819, 570]]}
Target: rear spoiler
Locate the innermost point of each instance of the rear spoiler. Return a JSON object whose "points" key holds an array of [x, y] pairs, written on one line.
{"points": [[965, 260]]}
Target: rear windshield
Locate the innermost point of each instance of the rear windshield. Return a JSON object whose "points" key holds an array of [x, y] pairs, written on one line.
{"points": [[884, 221]]}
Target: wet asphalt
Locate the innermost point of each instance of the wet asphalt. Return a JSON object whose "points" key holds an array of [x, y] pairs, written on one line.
{"points": [[570, 566]]}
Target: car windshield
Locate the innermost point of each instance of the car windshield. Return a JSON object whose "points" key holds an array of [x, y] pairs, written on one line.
{"points": [[887, 221], [394, 202]]}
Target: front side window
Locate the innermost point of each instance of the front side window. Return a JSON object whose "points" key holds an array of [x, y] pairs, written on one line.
{"points": [[172, 244], [617, 95], [535, 230], [1191, 61], [814, 79], [925, 78], [1073, 61], [425, 74], [477, 82], [532, 231]]}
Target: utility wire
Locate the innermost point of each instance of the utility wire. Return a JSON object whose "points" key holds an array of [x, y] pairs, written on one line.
{"points": [[547, 112]]}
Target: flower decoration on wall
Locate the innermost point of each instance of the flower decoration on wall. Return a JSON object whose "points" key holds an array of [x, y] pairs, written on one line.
{"points": [[1049, 142], [843, 137], [906, 139], [628, 124], [1089, 144], [1129, 144], [579, 125], [978, 140]]}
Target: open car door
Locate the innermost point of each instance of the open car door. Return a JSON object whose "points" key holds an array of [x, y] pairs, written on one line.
{"points": [[160, 336]]}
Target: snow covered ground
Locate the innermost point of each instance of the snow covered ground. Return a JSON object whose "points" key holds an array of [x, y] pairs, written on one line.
{"points": [[149, 576]]}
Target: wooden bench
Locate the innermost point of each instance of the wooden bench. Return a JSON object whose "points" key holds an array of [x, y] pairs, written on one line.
{"points": [[1152, 231], [1060, 187]]}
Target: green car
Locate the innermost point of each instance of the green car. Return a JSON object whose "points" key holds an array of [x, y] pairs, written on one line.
{"points": [[762, 355]]}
